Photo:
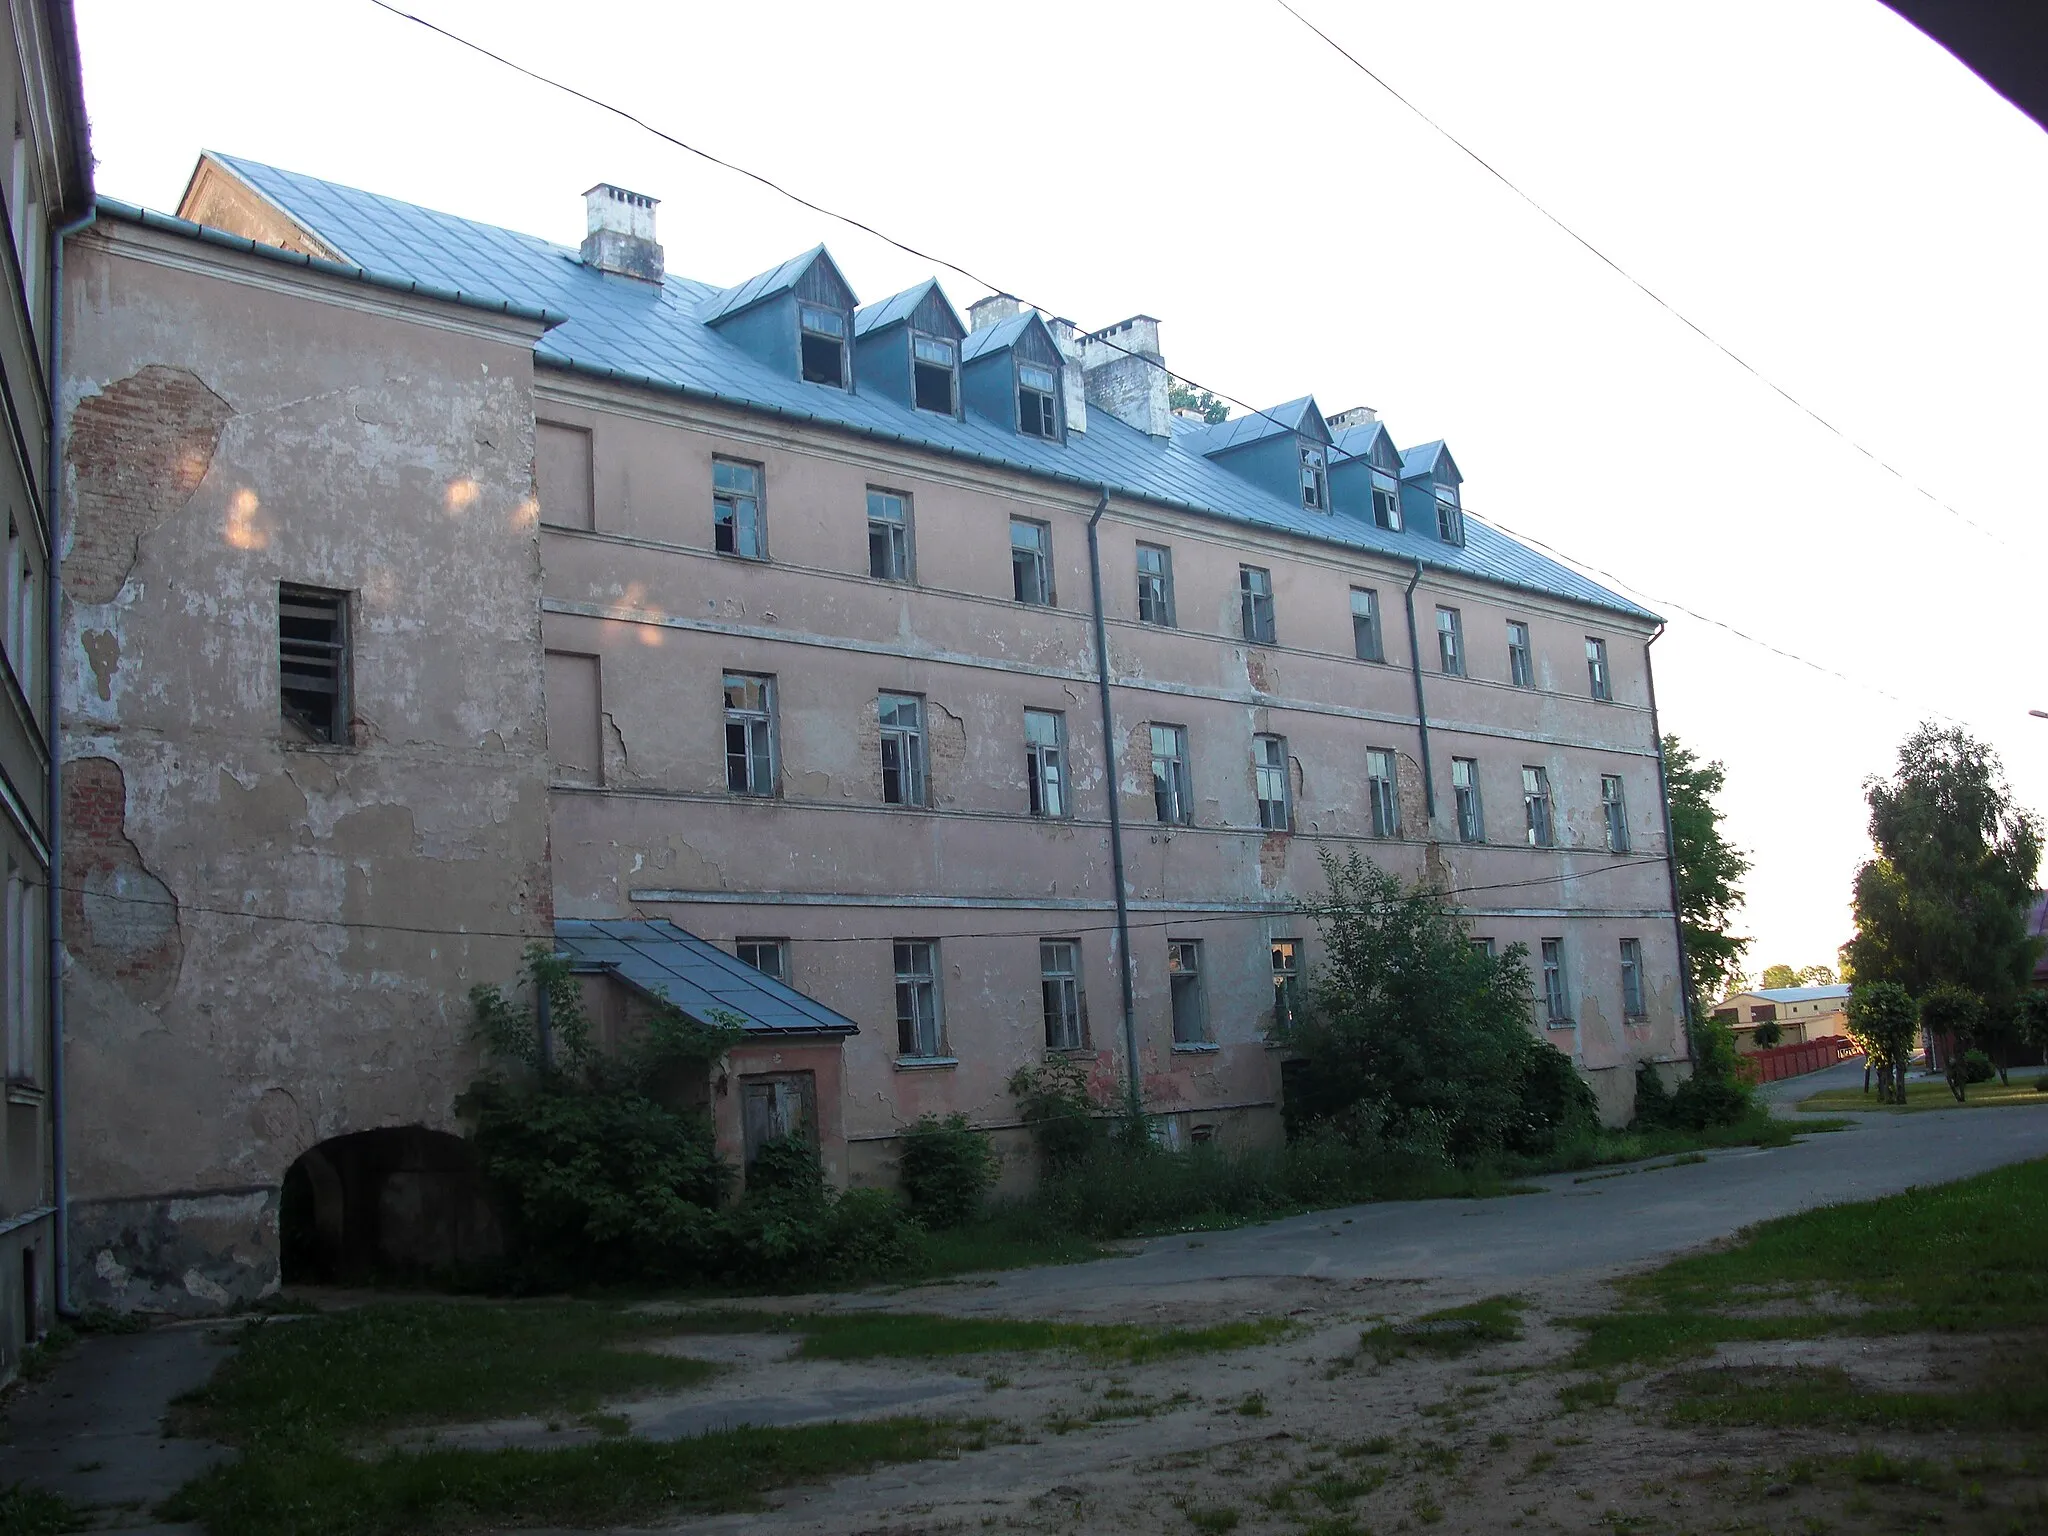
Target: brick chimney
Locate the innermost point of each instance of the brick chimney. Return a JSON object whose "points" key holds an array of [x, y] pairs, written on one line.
{"points": [[993, 310], [1126, 374], [621, 237]]}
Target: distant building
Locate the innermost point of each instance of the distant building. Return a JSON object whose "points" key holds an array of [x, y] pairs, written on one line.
{"points": [[1802, 1013]]}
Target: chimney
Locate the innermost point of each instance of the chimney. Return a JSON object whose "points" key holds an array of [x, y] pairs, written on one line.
{"points": [[1357, 416], [1126, 374], [993, 310], [1073, 387], [621, 237]]}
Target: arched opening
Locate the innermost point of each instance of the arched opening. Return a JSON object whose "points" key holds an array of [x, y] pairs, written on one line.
{"points": [[401, 1201]]}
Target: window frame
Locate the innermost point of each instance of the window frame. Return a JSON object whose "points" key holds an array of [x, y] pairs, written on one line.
{"points": [[725, 513], [1557, 998], [1383, 791], [339, 666], [1386, 488], [1047, 411], [1536, 794], [779, 947], [1521, 655], [1315, 477], [1286, 978], [1468, 807], [908, 1040], [1045, 763], [1367, 624], [748, 718], [1450, 641], [1634, 1000], [1614, 809], [1599, 680], [1264, 744], [1161, 580], [1063, 997], [952, 371], [913, 757], [1248, 610], [1176, 785], [898, 535], [1184, 977], [843, 341], [1042, 553], [1450, 516]]}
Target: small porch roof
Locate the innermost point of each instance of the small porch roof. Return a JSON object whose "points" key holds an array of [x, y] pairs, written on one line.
{"points": [[662, 961]]}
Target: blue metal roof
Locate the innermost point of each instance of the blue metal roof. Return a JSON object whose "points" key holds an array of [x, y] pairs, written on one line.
{"points": [[1356, 442], [1258, 426], [1422, 460], [993, 338], [896, 308], [661, 960], [1801, 994], [655, 337], [766, 285]]}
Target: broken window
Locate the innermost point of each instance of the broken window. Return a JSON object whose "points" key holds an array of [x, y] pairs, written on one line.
{"points": [[736, 525], [1269, 768], [313, 662], [903, 759], [823, 333], [1386, 504], [1286, 979], [1365, 625], [1556, 1005], [1045, 761], [1596, 667], [1031, 561], [749, 734], [1037, 403], [919, 1033], [1632, 979], [1380, 789], [1184, 978], [1536, 804], [768, 956], [888, 535], [1066, 1018], [1172, 794], [777, 1108], [933, 362], [1315, 485], [1450, 642], [1255, 601], [1450, 522], [1521, 661], [1465, 791], [1615, 810], [1155, 585]]}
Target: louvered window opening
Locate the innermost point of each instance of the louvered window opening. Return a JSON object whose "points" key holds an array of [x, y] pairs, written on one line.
{"points": [[312, 655]]}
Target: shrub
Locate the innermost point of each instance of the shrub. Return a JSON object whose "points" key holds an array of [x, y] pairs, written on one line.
{"points": [[1978, 1067], [1054, 1101], [1768, 1034], [946, 1167], [1883, 1019], [1653, 1099], [1555, 1102]]}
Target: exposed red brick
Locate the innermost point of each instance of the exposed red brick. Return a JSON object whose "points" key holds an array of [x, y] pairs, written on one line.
{"points": [[119, 919]]}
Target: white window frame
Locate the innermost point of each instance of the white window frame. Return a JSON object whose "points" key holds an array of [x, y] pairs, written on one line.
{"points": [[1469, 807], [1599, 681], [1173, 795], [1633, 1002], [1557, 1000], [889, 534], [1521, 655], [1386, 503], [1614, 807], [1155, 587], [1036, 556], [1065, 1003], [912, 765], [1383, 790], [756, 757], [752, 951], [1044, 401], [1270, 777], [1315, 478], [951, 367], [1255, 599], [1045, 763], [1539, 811], [920, 1010], [1286, 958], [1450, 641], [833, 326], [1368, 640], [739, 515]]}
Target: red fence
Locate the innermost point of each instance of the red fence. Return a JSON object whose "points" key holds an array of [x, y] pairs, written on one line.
{"points": [[1792, 1060]]}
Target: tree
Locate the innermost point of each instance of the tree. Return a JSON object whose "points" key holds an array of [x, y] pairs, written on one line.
{"points": [[1946, 897], [1182, 396], [1778, 976], [1957, 1015], [1710, 870], [1883, 1022]]}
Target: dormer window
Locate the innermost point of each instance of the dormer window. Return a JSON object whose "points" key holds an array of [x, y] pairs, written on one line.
{"points": [[1037, 401], [1386, 504], [1315, 480], [823, 333], [1450, 523], [934, 373]]}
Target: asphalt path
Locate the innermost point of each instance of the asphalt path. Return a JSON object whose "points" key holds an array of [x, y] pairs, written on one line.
{"points": [[1577, 1222]]}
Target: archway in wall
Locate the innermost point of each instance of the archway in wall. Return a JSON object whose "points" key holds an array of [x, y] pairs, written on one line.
{"points": [[399, 1201]]}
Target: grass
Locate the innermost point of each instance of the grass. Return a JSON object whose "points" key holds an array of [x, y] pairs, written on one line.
{"points": [[1453, 1331], [911, 1335], [26, 1511], [1932, 1094]]}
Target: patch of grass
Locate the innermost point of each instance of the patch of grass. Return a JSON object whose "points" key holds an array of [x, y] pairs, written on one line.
{"points": [[1452, 1331], [1933, 1094], [1629, 1338], [1795, 1395], [1336, 1490], [321, 1490], [1214, 1519], [26, 1511], [1378, 1445], [41, 1357], [1597, 1393], [1252, 1405], [914, 1335]]}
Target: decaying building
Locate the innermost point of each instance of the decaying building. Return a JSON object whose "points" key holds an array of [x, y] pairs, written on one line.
{"points": [[921, 689]]}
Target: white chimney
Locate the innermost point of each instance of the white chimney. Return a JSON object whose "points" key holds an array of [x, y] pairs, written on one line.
{"points": [[1357, 416], [621, 233], [1073, 385], [993, 310], [1126, 374]]}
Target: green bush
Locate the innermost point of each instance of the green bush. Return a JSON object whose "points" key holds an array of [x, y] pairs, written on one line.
{"points": [[1054, 1101], [1653, 1099], [1767, 1034], [1555, 1102], [1978, 1067], [946, 1166]]}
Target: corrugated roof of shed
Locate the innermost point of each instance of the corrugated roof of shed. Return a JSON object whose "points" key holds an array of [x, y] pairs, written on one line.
{"points": [[664, 961]]}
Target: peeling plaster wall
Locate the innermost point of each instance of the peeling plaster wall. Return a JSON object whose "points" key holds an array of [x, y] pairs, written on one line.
{"points": [[271, 943]]}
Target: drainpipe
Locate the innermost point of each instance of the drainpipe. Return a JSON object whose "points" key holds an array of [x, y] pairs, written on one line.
{"points": [[1421, 714], [1116, 820], [53, 639], [1670, 848]]}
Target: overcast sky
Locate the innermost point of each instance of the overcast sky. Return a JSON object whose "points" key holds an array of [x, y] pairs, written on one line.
{"points": [[1812, 181]]}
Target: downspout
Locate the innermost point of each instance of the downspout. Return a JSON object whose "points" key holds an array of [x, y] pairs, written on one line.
{"points": [[1421, 714], [1670, 848], [53, 638], [1135, 1091]]}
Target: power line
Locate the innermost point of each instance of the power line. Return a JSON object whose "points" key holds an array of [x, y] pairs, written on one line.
{"points": [[1635, 282]]}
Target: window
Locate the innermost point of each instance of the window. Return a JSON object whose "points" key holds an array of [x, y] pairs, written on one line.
{"points": [[1386, 505], [903, 762], [1172, 794], [1315, 484], [313, 662], [1269, 768], [1536, 802], [1556, 1006], [919, 1033], [1632, 979], [1255, 599], [1450, 642], [1286, 979], [749, 734], [1380, 790], [1031, 561], [1615, 809], [1066, 1015], [823, 333], [1465, 791], [1484, 946], [1045, 760], [1596, 667], [1038, 412], [1184, 979], [888, 535], [1155, 585], [1365, 625], [1521, 662], [736, 509], [21, 1032], [933, 373], [1450, 523], [768, 956]]}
